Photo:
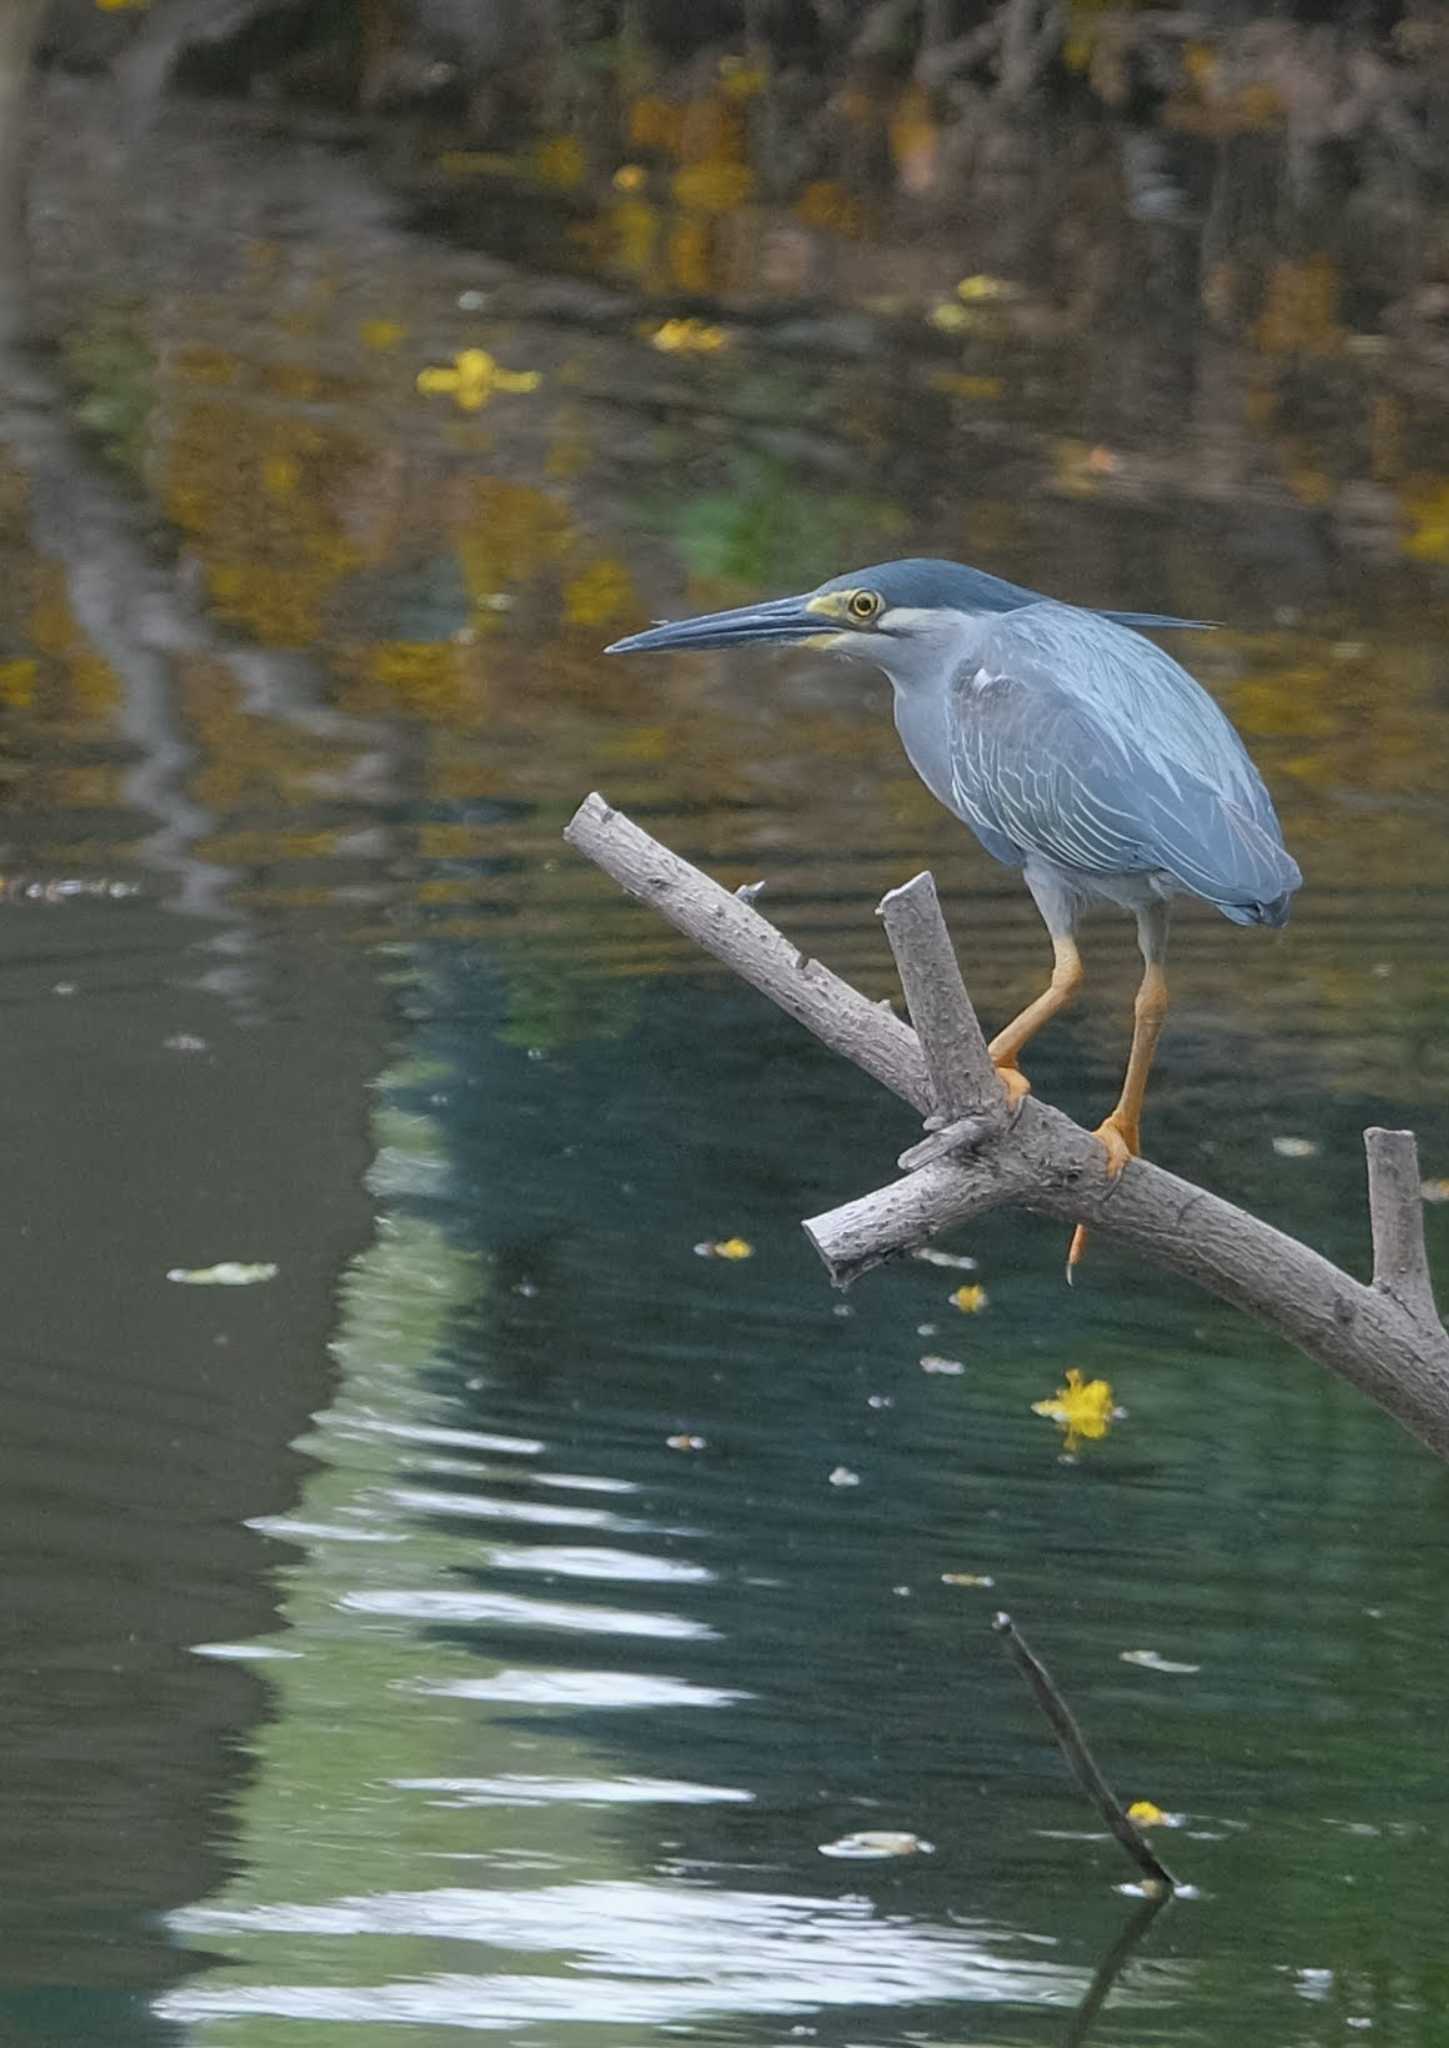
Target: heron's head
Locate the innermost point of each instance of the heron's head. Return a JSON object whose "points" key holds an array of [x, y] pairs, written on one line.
{"points": [[901, 616]]}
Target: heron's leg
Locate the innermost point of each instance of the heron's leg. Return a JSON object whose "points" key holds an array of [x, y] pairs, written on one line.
{"points": [[1121, 1131], [1058, 908]]}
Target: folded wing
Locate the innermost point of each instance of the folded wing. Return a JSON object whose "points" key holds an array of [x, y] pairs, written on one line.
{"points": [[1078, 742]]}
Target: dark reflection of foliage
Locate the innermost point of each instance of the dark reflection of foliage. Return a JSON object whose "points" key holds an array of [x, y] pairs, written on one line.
{"points": [[550, 1004], [112, 364], [762, 526]]}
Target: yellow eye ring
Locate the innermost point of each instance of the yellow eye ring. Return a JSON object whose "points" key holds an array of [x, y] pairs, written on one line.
{"points": [[865, 605]]}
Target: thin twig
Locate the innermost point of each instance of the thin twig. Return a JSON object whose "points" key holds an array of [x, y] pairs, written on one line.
{"points": [[963, 1080], [1396, 1216], [1084, 1765]]}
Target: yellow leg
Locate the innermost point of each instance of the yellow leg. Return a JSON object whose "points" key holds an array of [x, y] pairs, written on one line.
{"points": [[1121, 1132], [1006, 1047]]}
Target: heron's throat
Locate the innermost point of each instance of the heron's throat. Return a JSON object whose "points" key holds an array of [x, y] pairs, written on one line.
{"points": [[923, 720]]}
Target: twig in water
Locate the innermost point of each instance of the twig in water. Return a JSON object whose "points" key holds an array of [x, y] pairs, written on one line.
{"points": [[1083, 1764]]}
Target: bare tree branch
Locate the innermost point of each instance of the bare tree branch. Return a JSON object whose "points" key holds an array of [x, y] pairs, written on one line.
{"points": [[848, 1022], [1396, 1215], [1396, 1354], [964, 1083]]}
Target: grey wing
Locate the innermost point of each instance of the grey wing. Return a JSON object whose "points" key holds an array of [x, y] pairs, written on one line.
{"points": [[1110, 788]]}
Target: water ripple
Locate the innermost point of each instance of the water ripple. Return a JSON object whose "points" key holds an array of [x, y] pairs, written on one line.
{"points": [[516, 1611], [544, 1688], [646, 1954]]}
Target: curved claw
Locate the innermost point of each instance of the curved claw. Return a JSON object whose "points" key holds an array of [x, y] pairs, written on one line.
{"points": [[1013, 1081], [1120, 1141]]}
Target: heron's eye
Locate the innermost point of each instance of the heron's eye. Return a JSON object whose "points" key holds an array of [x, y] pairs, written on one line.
{"points": [[865, 605]]}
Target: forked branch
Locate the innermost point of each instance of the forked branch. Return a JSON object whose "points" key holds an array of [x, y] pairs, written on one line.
{"points": [[1385, 1338]]}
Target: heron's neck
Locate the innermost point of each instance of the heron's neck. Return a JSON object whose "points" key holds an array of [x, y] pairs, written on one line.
{"points": [[923, 669]]}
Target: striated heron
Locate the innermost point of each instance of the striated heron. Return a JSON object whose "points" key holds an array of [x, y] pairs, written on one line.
{"points": [[1074, 749]]}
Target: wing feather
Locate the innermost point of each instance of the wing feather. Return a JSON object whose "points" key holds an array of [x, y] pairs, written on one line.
{"points": [[1076, 741]]}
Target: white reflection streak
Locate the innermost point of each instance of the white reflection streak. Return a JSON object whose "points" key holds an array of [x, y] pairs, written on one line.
{"points": [[515, 1611], [580, 1561], [659, 1953], [421, 1500], [541, 1688], [518, 1789], [435, 1433]]}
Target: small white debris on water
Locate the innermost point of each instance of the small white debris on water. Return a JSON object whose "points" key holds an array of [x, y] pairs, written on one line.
{"points": [[1151, 1661], [878, 1842], [230, 1273]]}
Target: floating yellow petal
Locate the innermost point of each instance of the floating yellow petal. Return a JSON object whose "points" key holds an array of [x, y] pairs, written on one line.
{"points": [[734, 1248], [688, 338], [1146, 1814], [474, 379], [975, 289], [970, 1300], [1082, 1408]]}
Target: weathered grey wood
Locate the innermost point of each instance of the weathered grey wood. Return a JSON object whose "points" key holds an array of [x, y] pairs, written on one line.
{"points": [[1396, 1216], [846, 1021], [1396, 1354], [967, 1134], [963, 1080], [1051, 1165]]}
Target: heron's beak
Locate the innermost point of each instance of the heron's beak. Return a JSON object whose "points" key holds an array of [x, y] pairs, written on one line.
{"points": [[784, 620]]}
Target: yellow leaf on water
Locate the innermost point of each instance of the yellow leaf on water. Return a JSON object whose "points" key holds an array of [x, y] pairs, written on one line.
{"points": [[1081, 1408], [474, 378], [734, 1248], [970, 1299], [982, 287], [688, 338], [1146, 1814], [967, 1579]]}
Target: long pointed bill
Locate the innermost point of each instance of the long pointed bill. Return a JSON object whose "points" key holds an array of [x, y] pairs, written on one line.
{"points": [[785, 619]]}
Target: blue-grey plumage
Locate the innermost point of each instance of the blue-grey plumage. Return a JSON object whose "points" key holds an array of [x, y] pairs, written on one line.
{"points": [[1074, 749], [921, 580], [1060, 737]]}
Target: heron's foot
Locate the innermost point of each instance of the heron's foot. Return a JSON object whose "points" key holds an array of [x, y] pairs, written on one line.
{"points": [[1013, 1081], [1121, 1140]]}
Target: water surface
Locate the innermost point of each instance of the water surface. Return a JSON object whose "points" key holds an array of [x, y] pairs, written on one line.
{"points": [[380, 1668]]}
